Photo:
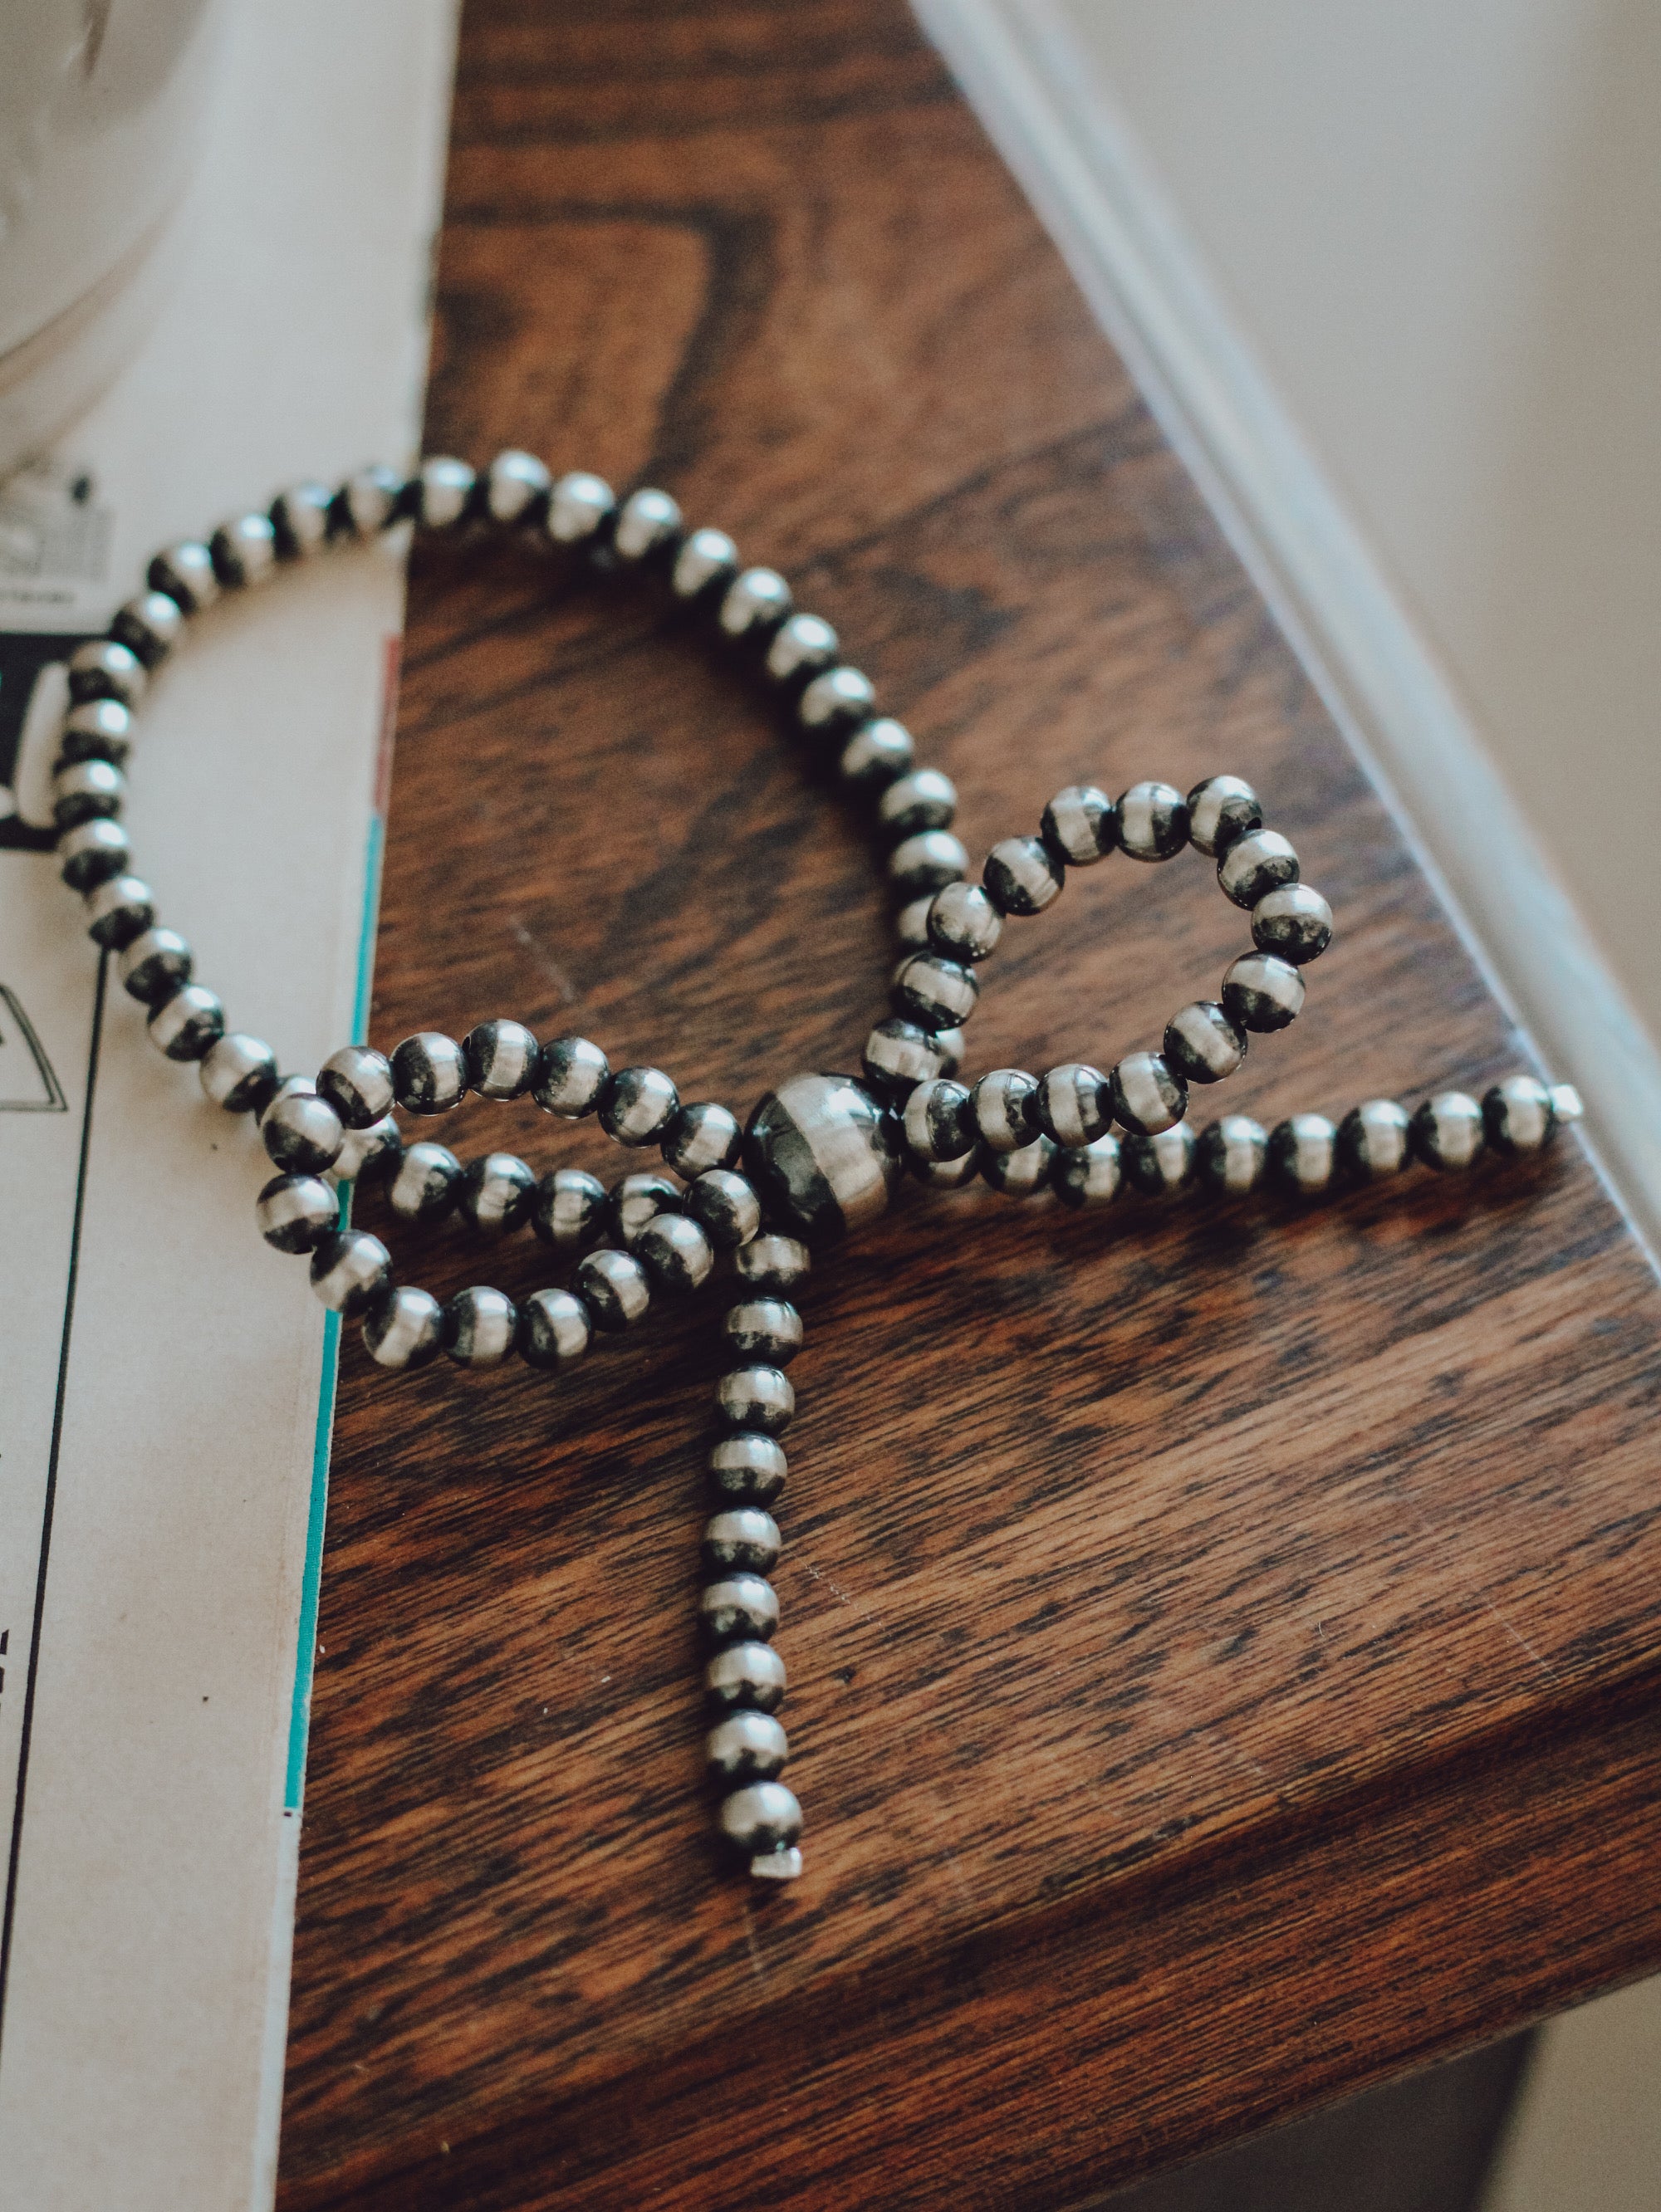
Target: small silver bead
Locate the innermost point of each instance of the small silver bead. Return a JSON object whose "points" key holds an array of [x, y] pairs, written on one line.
{"points": [[739, 1609], [759, 1398], [443, 492], [497, 1193], [569, 1207], [747, 1746], [925, 799], [424, 1188], [87, 791], [1088, 1176], [613, 1286], [301, 1132], [1075, 1104], [1202, 1044], [368, 502], [706, 563], [745, 1678], [570, 1076], [376, 1150], [92, 853], [1080, 825], [1152, 821], [841, 699], [1148, 1094], [800, 647], [349, 1269], [429, 1075], [296, 1212], [1231, 1154], [187, 1025], [725, 1204], [239, 1074], [403, 1327], [1447, 1131], [106, 669], [300, 516], [938, 1121], [637, 1105], [1022, 875], [154, 965], [1020, 1173], [876, 754], [675, 1253], [150, 625], [637, 1198], [743, 1540], [947, 1174], [1294, 921], [244, 551], [98, 729], [935, 993], [927, 862], [357, 1083], [553, 1329], [898, 1055], [480, 1326], [1302, 1153], [911, 923], [1004, 1107], [767, 1329], [963, 922], [1566, 1105], [1162, 1165], [1220, 810], [754, 604], [747, 1468], [1374, 1140], [501, 1058], [118, 910], [762, 1818], [702, 1136], [648, 528], [1518, 1116], [579, 510], [773, 1266], [1262, 992], [516, 489], [1256, 864]]}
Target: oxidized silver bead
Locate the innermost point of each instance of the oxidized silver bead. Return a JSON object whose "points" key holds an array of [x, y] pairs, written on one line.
{"points": [[648, 528], [118, 910], [187, 1025], [296, 1212], [98, 729], [764, 1330], [747, 1746], [1303, 1153], [244, 551], [497, 1193], [553, 1329], [501, 1058], [1518, 1114], [568, 1208], [425, 1186], [935, 993], [937, 1122], [1220, 810], [1022, 875], [875, 755], [739, 1609], [1152, 821], [1080, 825], [570, 1076], [366, 1153], [707, 562], [300, 516], [239, 1074], [925, 799], [963, 922], [429, 1075], [1020, 1173], [702, 1136], [948, 1175], [92, 853], [1162, 1165], [1374, 1139], [1447, 1131], [357, 1083], [759, 1398], [1262, 992], [898, 1055], [1004, 1108], [927, 862], [1147, 1094], [150, 626], [480, 1326], [772, 1266], [725, 1205], [104, 668], [800, 647], [637, 1105], [764, 1817], [1089, 1175], [1231, 1154], [822, 1154], [748, 1468], [185, 572], [349, 1269], [87, 791], [675, 1253], [743, 1540], [367, 503], [302, 1132], [613, 1286], [1294, 921], [580, 510], [1202, 1044], [154, 966], [403, 1327], [443, 492], [1075, 1104], [746, 1677], [841, 700], [1255, 864], [516, 489], [754, 604], [637, 1198]]}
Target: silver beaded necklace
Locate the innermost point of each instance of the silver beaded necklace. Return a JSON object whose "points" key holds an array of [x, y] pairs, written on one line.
{"points": [[818, 1154]]}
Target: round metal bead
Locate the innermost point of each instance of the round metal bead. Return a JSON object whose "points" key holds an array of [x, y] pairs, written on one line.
{"points": [[1303, 1153], [429, 1075], [1262, 992], [898, 1055], [87, 791], [1232, 1155], [759, 1398], [1020, 1174], [637, 1105], [296, 1212], [963, 922], [754, 604], [948, 1175], [1152, 821], [366, 503], [580, 509], [800, 647], [764, 1329], [118, 910], [822, 1154], [747, 1468], [185, 572], [1004, 1107], [301, 1132], [1518, 1114], [570, 1076], [357, 1082], [743, 1540], [739, 1609], [1220, 810], [1162, 1165], [497, 1193], [702, 1136], [675, 1253], [1202, 1044], [772, 1265], [443, 492], [1022, 875], [501, 1058], [154, 966], [189, 1024], [1075, 1104], [98, 729], [349, 1269], [403, 1328], [300, 516], [937, 1122], [1255, 864], [745, 1678], [480, 1326], [516, 489], [1089, 1175], [747, 1746], [762, 1818], [935, 993], [875, 755], [553, 1329], [376, 1150], [648, 528], [724, 1204], [1147, 1093], [425, 1186], [843, 699], [1294, 921], [1374, 1140], [707, 562], [637, 1198], [613, 1286], [1080, 825], [106, 669], [568, 1208], [925, 799], [92, 853], [150, 626], [1447, 1131], [927, 862], [239, 1074], [244, 551]]}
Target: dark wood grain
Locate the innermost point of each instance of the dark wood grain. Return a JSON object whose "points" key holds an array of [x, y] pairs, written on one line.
{"points": [[1222, 1647]]}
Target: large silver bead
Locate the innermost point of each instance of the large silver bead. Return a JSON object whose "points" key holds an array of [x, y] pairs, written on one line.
{"points": [[824, 1155], [765, 1817], [747, 1746], [742, 1541], [745, 1678], [239, 1074], [403, 1328]]}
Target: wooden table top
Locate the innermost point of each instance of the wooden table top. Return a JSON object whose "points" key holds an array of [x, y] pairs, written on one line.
{"points": [[1222, 1645]]}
